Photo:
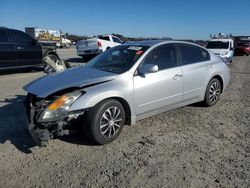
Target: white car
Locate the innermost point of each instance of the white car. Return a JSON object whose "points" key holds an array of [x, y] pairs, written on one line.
{"points": [[222, 47], [97, 45]]}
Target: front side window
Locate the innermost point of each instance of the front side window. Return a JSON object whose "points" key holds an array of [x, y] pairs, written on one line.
{"points": [[116, 40], [193, 54], [20, 37], [163, 56], [3, 36], [118, 59]]}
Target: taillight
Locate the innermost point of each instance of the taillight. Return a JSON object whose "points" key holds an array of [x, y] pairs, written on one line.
{"points": [[99, 44]]}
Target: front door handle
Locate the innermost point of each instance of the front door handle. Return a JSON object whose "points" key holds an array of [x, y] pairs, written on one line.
{"points": [[20, 48], [177, 76]]}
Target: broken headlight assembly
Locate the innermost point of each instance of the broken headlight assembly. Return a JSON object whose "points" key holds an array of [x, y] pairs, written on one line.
{"points": [[58, 109]]}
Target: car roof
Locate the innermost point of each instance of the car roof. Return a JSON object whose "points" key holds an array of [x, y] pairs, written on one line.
{"points": [[222, 40], [151, 43], [145, 42]]}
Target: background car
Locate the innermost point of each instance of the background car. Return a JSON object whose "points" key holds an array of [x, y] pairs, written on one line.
{"points": [[96, 45], [242, 47], [19, 50], [124, 84]]}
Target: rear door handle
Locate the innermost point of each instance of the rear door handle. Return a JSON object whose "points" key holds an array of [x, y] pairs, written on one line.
{"points": [[20, 48], [177, 76], [209, 67]]}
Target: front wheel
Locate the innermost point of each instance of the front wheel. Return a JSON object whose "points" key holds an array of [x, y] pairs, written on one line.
{"points": [[105, 121], [213, 92]]}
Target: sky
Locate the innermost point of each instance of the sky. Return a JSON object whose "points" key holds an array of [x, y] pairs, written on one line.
{"points": [[179, 19]]}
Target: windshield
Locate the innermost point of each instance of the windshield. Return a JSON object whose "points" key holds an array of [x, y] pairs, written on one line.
{"points": [[243, 44], [118, 59], [217, 45]]}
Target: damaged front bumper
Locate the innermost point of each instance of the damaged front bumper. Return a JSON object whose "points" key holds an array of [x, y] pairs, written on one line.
{"points": [[42, 132]]}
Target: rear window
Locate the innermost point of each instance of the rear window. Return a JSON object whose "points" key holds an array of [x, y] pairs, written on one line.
{"points": [[3, 36], [104, 38], [243, 44]]}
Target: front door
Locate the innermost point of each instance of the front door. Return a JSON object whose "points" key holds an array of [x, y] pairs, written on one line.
{"points": [[28, 51], [154, 91]]}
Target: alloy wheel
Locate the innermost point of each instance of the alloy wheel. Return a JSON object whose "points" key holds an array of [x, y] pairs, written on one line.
{"points": [[111, 122], [214, 92]]}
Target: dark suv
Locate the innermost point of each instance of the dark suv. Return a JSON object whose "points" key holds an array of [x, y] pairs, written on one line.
{"points": [[19, 50]]}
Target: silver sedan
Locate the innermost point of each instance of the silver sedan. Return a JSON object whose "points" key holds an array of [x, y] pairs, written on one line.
{"points": [[122, 85]]}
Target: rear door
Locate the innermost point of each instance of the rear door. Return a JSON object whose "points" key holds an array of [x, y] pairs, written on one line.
{"points": [[195, 67], [7, 51], [28, 51]]}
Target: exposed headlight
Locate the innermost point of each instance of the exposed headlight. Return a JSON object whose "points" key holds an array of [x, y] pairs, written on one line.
{"points": [[59, 108]]}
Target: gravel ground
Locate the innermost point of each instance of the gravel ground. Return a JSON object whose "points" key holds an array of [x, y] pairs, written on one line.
{"points": [[191, 146]]}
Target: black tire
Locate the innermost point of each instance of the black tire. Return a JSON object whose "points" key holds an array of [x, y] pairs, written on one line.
{"points": [[213, 92], [47, 68], [96, 117]]}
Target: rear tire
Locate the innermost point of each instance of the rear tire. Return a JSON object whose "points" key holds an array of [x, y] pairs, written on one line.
{"points": [[105, 122], [213, 92]]}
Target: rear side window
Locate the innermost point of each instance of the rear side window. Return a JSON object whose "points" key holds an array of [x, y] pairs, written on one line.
{"points": [[192, 54], [3, 36], [163, 56], [20, 37]]}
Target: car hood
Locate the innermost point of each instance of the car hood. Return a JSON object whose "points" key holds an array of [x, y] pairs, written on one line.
{"points": [[71, 78]]}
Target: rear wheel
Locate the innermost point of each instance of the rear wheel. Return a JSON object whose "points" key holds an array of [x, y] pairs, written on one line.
{"points": [[213, 92], [105, 121]]}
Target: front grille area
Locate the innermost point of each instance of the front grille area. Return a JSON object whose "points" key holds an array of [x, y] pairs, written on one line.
{"points": [[35, 106]]}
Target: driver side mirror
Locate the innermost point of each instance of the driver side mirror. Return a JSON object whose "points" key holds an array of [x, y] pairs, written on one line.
{"points": [[148, 68]]}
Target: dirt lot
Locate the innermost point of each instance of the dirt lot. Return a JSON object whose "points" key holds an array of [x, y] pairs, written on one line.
{"points": [[189, 147]]}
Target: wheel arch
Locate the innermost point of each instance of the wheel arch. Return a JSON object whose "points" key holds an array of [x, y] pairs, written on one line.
{"points": [[217, 76], [52, 53], [125, 105]]}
